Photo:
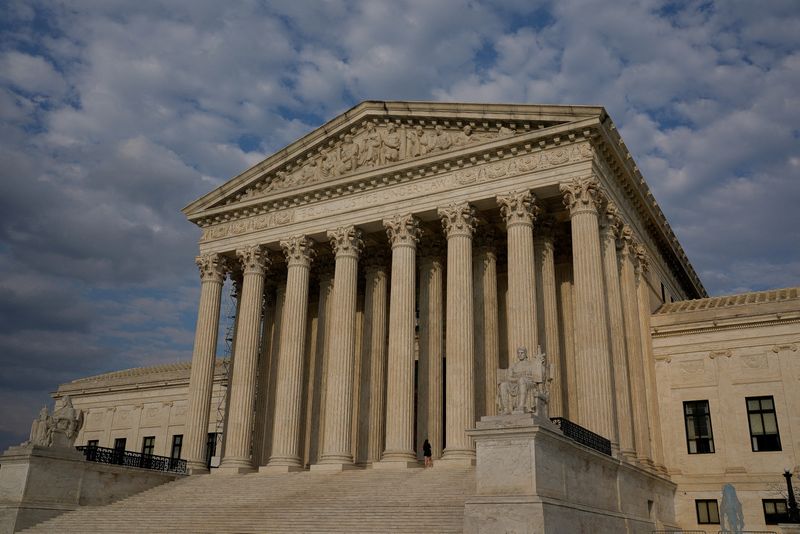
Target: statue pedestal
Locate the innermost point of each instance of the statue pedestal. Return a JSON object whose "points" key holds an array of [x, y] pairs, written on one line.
{"points": [[531, 478], [38, 483]]}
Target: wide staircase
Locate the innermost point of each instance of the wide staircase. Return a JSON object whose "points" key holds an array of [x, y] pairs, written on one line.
{"points": [[359, 501]]}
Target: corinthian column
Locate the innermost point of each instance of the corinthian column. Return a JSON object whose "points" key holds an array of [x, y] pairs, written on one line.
{"points": [[403, 232], [519, 211], [656, 447], [337, 440], [212, 274], [458, 220], [596, 410], [289, 388], [610, 225], [548, 306], [243, 383], [431, 349], [633, 346], [375, 332], [487, 344]]}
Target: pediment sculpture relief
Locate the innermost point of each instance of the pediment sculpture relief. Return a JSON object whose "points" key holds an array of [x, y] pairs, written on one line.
{"points": [[58, 429], [525, 386], [371, 146]]}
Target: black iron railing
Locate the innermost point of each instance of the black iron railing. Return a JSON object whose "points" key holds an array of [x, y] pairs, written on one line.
{"points": [[583, 436], [104, 455]]}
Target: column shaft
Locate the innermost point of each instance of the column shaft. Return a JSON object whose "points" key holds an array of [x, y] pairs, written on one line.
{"points": [[519, 211], [316, 405], [459, 223], [548, 316], [610, 227], [596, 409], [243, 382], [633, 345], [212, 269], [289, 389], [487, 344], [337, 441], [566, 332], [375, 344], [262, 383], [431, 351], [403, 232], [651, 393]]}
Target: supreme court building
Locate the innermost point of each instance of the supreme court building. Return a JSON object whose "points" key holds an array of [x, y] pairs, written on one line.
{"points": [[388, 263]]}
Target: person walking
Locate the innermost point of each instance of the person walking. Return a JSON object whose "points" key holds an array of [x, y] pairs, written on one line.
{"points": [[426, 452]]}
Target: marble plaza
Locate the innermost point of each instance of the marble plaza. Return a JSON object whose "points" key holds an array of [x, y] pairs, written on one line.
{"points": [[387, 269]]}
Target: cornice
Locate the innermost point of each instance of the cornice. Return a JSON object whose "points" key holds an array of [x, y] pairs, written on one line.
{"points": [[638, 193], [721, 326]]}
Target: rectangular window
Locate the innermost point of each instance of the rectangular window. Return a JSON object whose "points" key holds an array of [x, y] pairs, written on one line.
{"points": [[148, 445], [764, 435], [93, 443], [177, 445], [119, 450], [775, 511], [707, 511], [699, 435]]}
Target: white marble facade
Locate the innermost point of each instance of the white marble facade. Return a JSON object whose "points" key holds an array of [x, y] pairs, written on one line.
{"points": [[430, 240]]}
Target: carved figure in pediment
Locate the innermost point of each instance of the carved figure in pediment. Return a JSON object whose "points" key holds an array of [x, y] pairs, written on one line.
{"points": [[371, 147], [391, 144], [330, 163], [419, 143], [442, 140], [507, 132], [348, 155], [310, 173]]}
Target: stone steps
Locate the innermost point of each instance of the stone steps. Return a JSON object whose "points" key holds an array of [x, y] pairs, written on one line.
{"points": [[360, 501]]}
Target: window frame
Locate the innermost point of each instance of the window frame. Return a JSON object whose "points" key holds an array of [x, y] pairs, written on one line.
{"points": [[148, 445], [706, 502], [761, 411], [709, 440], [93, 443], [783, 518]]}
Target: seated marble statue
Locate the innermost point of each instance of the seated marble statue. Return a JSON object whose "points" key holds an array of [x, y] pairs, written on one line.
{"points": [[525, 386], [65, 424], [39, 427]]}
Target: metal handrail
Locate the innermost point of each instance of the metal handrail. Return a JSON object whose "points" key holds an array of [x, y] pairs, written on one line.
{"points": [[105, 455], [582, 435]]}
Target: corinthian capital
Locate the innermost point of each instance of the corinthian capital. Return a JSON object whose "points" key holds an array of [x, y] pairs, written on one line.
{"points": [[518, 207], [626, 242], [458, 219], [213, 267], [581, 195], [642, 258], [402, 230], [610, 221], [254, 259], [346, 241], [299, 250]]}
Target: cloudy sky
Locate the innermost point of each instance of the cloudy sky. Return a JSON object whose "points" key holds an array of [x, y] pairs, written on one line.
{"points": [[116, 114]]}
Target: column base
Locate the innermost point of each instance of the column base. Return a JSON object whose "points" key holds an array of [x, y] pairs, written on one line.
{"points": [[198, 470], [334, 467], [391, 465], [235, 466], [280, 469], [457, 458]]}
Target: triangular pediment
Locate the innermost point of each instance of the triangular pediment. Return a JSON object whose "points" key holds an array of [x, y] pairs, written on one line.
{"points": [[375, 135]]}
